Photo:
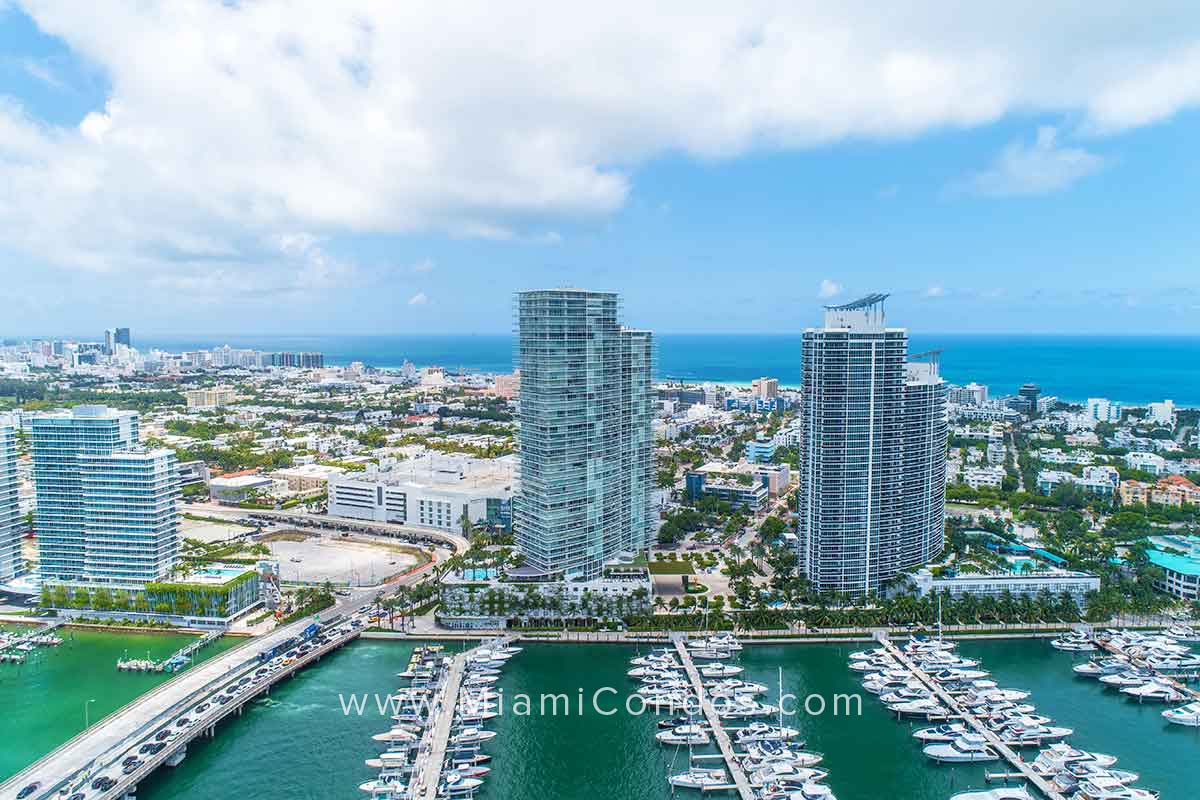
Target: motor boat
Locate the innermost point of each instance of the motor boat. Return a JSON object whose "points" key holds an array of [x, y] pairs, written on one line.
{"points": [[1132, 677], [743, 707], [396, 734], [1106, 666], [710, 654], [921, 708], [719, 670], [472, 735], [885, 686], [1173, 663], [1188, 715], [953, 674], [691, 735], [967, 749], [762, 732], [1069, 779], [1183, 633], [731, 687], [874, 665], [723, 641], [999, 793], [1155, 692], [1054, 759], [905, 694], [381, 789], [673, 722], [946, 732], [1020, 732], [455, 784], [699, 778], [921, 644], [810, 790], [1106, 788], [867, 655], [988, 696], [755, 758], [777, 772], [1074, 643]]}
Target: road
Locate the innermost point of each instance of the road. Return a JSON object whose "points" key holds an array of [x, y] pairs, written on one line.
{"points": [[112, 735]]}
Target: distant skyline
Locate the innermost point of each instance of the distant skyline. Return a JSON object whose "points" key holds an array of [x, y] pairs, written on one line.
{"points": [[729, 169]]}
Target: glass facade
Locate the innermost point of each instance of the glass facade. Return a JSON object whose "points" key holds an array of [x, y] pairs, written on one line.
{"points": [[872, 453], [586, 445], [106, 509], [10, 521]]}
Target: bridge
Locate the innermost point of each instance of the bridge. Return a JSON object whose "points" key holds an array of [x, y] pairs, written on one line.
{"points": [[205, 695]]}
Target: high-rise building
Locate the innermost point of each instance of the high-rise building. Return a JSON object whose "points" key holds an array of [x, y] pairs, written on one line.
{"points": [[10, 517], [586, 444], [1029, 393], [765, 388], [872, 452], [122, 337], [110, 341], [106, 508]]}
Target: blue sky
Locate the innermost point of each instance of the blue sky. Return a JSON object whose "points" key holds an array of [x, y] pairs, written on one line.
{"points": [[201, 168]]}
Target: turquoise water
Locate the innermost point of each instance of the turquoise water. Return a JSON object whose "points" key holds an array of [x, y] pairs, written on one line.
{"points": [[300, 745], [1132, 369]]}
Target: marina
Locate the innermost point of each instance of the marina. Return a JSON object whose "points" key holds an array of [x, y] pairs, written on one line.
{"points": [[15, 648], [567, 756], [177, 660]]}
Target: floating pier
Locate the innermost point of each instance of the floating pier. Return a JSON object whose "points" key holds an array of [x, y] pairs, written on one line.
{"points": [[1047, 789], [740, 782]]}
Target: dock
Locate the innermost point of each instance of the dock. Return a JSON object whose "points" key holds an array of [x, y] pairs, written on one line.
{"points": [[740, 782], [173, 662], [436, 738], [1175, 681], [1045, 787]]}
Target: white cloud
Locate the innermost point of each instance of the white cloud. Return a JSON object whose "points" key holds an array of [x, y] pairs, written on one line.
{"points": [[422, 267], [1041, 168], [418, 299], [42, 71], [935, 291], [229, 124], [829, 289]]}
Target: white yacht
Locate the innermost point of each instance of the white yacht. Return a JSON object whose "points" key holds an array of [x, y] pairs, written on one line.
{"points": [[699, 778], [719, 670], [1106, 666], [867, 655], [1174, 662], [1188, 715], [999, 793], [690, 735], [455, 783], [905, 694], [921, 708], [807, 791], [743, 707], [1054, 759], [711, 653], [753, 759], [1132, 677], [953, 674], [396, 734], [1020, 732], [777, 772], [1105, 788], [734, 686], [1155, 691], [1074, 643], [987, 696], [472, 735], [1183, 633], [968, 748], [874, 665], [762, 732], [944, 733]]}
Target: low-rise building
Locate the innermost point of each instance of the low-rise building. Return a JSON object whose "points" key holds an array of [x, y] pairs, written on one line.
{"points": [[760, 451], [211, 397], [307, 477], [1181, 569], [1173, 490], [433, 491], [231, 490], [979, 477], [1053, 581], [737, 492], [1146, 462]]}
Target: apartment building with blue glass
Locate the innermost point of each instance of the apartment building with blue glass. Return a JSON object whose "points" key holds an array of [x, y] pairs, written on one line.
{"points": [[106, 507], [10, 518], [585, 439]]}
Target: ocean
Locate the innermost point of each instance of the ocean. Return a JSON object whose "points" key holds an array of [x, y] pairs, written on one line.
{"points": [[1131, 369]]}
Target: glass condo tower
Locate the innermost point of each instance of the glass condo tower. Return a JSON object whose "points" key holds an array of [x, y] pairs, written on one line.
{"points": [[586, 446]]}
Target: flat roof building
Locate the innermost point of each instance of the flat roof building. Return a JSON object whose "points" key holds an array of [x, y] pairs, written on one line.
{"points": [[106, 507], [10, 516]]}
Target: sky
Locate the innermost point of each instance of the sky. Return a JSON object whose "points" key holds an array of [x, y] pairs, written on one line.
{"points": [[186, 167]]}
